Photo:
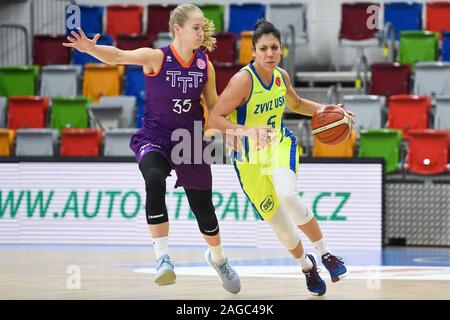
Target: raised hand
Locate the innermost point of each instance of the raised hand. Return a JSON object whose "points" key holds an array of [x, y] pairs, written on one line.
{"points": [[81, 42]]}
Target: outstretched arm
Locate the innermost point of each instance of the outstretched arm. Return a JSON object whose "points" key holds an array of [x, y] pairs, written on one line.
{"points": [[110, 54]]}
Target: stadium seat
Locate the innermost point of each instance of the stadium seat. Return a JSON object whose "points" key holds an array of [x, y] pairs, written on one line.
{"points": [[117, 14], [101, 80], [214, 12], [446, 46], [140, 113], [91, 19], [60, 80], [36, 142], [381, 143], [117, 142], [354, 17], [404, 16], [225, 51], [390, 78], [162, 39], [6, 142], [408, 112], [224, 72], [27, 112], [157, 19], [84, 58], [427, 151], [18, 80], [285, 15], [442, 116], [69, 112], [80, 142], [47, 49], [134, 86], [438, 14], [432, 78], [134, 41], [344, 150], [244, 16], [3, 102], [245, 47], [105, 116], [416, 46], [128, 105], [368, 110]]}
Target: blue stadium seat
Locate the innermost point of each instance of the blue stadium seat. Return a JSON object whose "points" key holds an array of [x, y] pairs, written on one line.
{"points": [[244, 16], [91, 19], [446, 46], [405, 16]]}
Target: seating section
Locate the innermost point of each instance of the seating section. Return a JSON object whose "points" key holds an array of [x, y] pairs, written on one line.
{"points": [[67, 103]]}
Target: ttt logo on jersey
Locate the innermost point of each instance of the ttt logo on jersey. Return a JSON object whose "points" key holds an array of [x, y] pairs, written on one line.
{"points": [[267, 204]]}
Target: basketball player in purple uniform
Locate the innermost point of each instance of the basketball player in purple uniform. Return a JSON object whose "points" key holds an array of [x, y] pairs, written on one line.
{"points": [[176, 77]]}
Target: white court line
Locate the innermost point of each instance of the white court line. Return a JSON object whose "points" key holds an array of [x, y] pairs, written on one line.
{"points": [[355, 272]]}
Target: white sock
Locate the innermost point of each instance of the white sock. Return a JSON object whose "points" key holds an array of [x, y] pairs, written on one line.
{"points": [[305, 262], [217, 253], [321, 247], [161, 246]]}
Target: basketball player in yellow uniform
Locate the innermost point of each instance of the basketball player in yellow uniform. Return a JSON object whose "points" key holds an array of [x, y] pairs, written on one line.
{"points": [[252, 106]]}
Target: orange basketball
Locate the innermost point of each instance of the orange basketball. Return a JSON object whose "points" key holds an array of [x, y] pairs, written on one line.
{"points": [[331, 125]]}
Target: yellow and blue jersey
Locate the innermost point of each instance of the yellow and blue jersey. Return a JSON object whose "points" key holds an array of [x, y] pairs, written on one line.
{"points": [[265, 106]]}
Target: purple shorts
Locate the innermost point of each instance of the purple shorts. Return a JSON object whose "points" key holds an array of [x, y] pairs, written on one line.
{"points": [[189, 175]]}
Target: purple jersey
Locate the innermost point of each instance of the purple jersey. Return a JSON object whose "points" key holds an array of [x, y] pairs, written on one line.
{"points": [[173, 94]]}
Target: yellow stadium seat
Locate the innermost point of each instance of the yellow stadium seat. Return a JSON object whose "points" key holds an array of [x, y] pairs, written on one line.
{"points": [[245, 49], [101, 80], [343, 150], [6, 142]]}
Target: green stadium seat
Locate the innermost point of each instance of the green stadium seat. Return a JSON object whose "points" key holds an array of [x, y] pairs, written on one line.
{"points": [[381, 143], [214, 12], [69, 112], [417, 46], [18, 80]]}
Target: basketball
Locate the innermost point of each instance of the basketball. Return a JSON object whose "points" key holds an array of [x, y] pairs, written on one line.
{"points": [[331, 125]]}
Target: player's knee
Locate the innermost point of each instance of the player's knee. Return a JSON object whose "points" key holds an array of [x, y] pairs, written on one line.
{"points": [[155, 187], [155, 181], [206, 218], [298, 210]]}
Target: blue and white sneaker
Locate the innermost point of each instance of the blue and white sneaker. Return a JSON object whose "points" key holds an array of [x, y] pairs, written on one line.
{"points": [[227, 275], [314, 282], [335, 266], [164, 271]]}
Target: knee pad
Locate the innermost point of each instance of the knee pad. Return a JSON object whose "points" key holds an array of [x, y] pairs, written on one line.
{"points": [[201, 205], [283, 227], [155, 187], [298, 210]]}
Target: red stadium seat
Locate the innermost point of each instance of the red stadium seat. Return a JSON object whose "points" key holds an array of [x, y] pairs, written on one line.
{"points": [[354, 19], [134, 41], [157, 17], [438, 14], [27, 112], [48, 50], [225, 51], [80, 142], [408, 112], [390, 78], [124, 19], [427, 151], [224, 72]]}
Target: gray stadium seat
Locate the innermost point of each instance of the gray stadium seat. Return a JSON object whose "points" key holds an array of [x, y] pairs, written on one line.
{"points": [[432, 78], [128, 104], [3, 102], [117, 142], [442, 117], [163, 40], [105, 116], [368, 110], [36, 142], [284, 15], [59, 80]]}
